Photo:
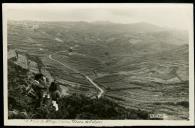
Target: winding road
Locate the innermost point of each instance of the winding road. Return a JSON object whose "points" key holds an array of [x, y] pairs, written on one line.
{"points": [[76, 71]]}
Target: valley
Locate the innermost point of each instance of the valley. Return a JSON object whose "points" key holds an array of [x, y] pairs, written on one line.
{"points": [[137, 66]]}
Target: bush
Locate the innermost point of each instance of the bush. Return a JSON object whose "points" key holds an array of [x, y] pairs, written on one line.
{"points": [[81, 107]]}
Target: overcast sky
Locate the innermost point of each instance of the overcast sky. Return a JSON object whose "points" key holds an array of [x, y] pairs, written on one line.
{"points": [[166, 15]]}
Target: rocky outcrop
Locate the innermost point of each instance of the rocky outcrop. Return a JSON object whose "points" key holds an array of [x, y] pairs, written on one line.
{"points": [[29, 62]]}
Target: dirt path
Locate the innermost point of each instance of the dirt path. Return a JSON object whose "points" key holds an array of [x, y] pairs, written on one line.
{"points": [[76, 71]]}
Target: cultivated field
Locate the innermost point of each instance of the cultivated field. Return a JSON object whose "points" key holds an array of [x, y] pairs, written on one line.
{"points": [[139, 66]]}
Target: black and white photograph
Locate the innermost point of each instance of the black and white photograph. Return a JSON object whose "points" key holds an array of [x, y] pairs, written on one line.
{"points": [[103, 64]]}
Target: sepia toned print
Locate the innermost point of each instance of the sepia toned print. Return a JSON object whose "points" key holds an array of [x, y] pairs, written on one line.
{"points": [[98, 64]]}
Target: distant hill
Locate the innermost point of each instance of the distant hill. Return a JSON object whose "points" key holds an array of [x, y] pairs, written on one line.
{"points": [[139, 65]]}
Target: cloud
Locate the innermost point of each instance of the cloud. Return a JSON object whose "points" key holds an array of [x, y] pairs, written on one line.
{"points": [[171, 15]]}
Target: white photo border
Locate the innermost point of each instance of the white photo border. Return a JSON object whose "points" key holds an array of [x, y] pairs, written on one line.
{"points": [[61, 122]]}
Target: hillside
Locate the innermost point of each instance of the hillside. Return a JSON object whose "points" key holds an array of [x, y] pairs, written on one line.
{"points": [[139, 66], [21, 105]]}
